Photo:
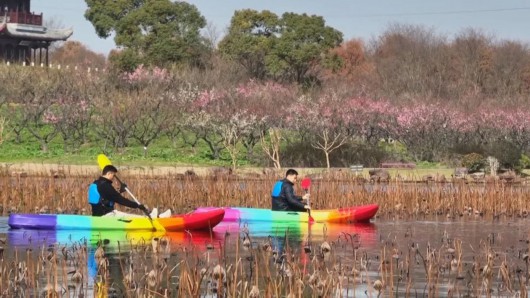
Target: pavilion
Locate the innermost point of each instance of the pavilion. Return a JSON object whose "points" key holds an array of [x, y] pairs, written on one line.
{"points": [[23, 37]]}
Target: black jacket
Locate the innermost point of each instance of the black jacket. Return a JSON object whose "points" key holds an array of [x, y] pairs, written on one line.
{"points": [[286, 200], [108, 195]]}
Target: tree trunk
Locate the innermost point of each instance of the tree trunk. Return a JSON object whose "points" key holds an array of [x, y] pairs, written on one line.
{"points": [[44, 146], [327, 158], [18, 137]]}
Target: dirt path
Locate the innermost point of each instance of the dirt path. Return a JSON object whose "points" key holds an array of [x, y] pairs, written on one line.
{"points": [[89, 170]]}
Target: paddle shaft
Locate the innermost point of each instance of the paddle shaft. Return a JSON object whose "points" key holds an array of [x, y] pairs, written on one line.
{"points": [[306, 184], [134, 198], [308, 200]]}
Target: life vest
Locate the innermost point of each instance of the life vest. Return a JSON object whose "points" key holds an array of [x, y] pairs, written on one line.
{"points": [[94, 197], [277, 189]]}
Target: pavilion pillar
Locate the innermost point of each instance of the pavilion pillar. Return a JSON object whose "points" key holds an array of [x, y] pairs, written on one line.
{"points": [[40, 56], [47, 56]]}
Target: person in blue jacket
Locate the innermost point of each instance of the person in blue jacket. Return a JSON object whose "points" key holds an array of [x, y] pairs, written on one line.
{"points": [[283, 197], [102, 195]]}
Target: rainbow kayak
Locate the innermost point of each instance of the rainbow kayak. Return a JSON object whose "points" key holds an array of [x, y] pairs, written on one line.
{"points": [[191, 221], [341, 215]]}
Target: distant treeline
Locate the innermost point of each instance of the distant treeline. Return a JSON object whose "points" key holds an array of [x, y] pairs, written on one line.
{"points": [[261, 122]]}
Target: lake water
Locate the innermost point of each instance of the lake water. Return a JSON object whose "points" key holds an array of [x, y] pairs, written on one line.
{"points": [[467, 257]]}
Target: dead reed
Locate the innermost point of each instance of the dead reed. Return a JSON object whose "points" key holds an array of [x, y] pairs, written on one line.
{"points": [[396, 198], [240, 266]]}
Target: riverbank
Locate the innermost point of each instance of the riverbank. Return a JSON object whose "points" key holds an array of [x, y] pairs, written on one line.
{"points": [[44, 169]]}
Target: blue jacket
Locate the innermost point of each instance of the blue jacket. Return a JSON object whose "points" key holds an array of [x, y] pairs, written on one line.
{"points": [[284, 199]]}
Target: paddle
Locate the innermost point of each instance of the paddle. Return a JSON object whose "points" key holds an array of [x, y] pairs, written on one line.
{"points": [[306, 184], [104, 161]]}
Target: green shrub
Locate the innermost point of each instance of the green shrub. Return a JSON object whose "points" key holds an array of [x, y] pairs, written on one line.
{"points": [[474, 162], [524, 161]]}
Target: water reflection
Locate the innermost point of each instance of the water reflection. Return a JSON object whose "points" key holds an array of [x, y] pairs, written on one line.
{"points": [[421, 258]]}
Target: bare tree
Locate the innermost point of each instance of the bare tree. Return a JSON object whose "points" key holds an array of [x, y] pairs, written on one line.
{"points": [[271, 143]]}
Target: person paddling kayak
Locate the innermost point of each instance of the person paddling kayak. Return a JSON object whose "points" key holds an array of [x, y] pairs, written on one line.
{"points": [[283, 197], [102, 195]]}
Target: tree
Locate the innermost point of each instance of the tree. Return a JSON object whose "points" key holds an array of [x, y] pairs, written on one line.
{"points": [[323, 118], [283, 48], [112, 119], [38, 97], [250, 38], [150, 105], [303, 41], [76, 53], [424, 129], [347, 62], [269, 102], [411, 60], [233, 130], [3, 131], [152, 32]]}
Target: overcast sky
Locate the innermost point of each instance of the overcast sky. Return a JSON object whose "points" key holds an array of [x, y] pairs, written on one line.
{"points": [[508, 19]]}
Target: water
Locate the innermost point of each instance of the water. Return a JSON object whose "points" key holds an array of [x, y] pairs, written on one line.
{"points": [[415, 257]]}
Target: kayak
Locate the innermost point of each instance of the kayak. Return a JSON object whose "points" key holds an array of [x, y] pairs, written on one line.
{"points": [[341, 215], [190, 221]]}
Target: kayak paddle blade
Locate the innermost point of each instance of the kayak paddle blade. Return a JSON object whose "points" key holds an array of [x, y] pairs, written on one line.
{"points": [[103, 161]]}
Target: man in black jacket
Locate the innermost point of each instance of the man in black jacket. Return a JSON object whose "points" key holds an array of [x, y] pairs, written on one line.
{"points": [[102, 195], [283, 197]]}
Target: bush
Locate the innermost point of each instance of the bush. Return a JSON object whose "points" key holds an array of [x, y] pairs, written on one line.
{"points": [[524, 161], [506, 152], [474, 162]]}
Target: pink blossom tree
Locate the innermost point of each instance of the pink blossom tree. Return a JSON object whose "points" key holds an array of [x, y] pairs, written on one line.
{"points": [[73, 121], [368, 119], [268, 101], [324, 119], [423, 129], [112, 120]]}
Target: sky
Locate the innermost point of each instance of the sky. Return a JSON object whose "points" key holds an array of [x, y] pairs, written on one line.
{"points": [[508, 19]]}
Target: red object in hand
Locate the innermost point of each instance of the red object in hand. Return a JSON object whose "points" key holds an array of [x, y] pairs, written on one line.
{"points": [[306, 184]]}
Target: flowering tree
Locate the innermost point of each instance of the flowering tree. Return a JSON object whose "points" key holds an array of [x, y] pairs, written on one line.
{"points": [[233, 129], [368, 119], [324, 119], [40, 101], [112, 120], [73, 121], [151, 105], [202, 121], [42, 121], [515, 125], [423, 128]]}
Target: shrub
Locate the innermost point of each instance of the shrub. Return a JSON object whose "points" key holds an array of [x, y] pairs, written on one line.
{"points": [[524, 161], [474, 162], [506, 152]]}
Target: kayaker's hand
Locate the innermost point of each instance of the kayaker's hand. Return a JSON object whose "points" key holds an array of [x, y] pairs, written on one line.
{"points": [[123, 187], [142, 207], [307, 207], [305, 197]]}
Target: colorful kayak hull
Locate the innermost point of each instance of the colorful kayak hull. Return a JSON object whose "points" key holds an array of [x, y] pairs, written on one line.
{"points": [[342, 215], [191, 221]]}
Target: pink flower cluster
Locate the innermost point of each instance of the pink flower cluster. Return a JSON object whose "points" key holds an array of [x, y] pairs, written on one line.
{"points": [[50, 118], [142, 74]]}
